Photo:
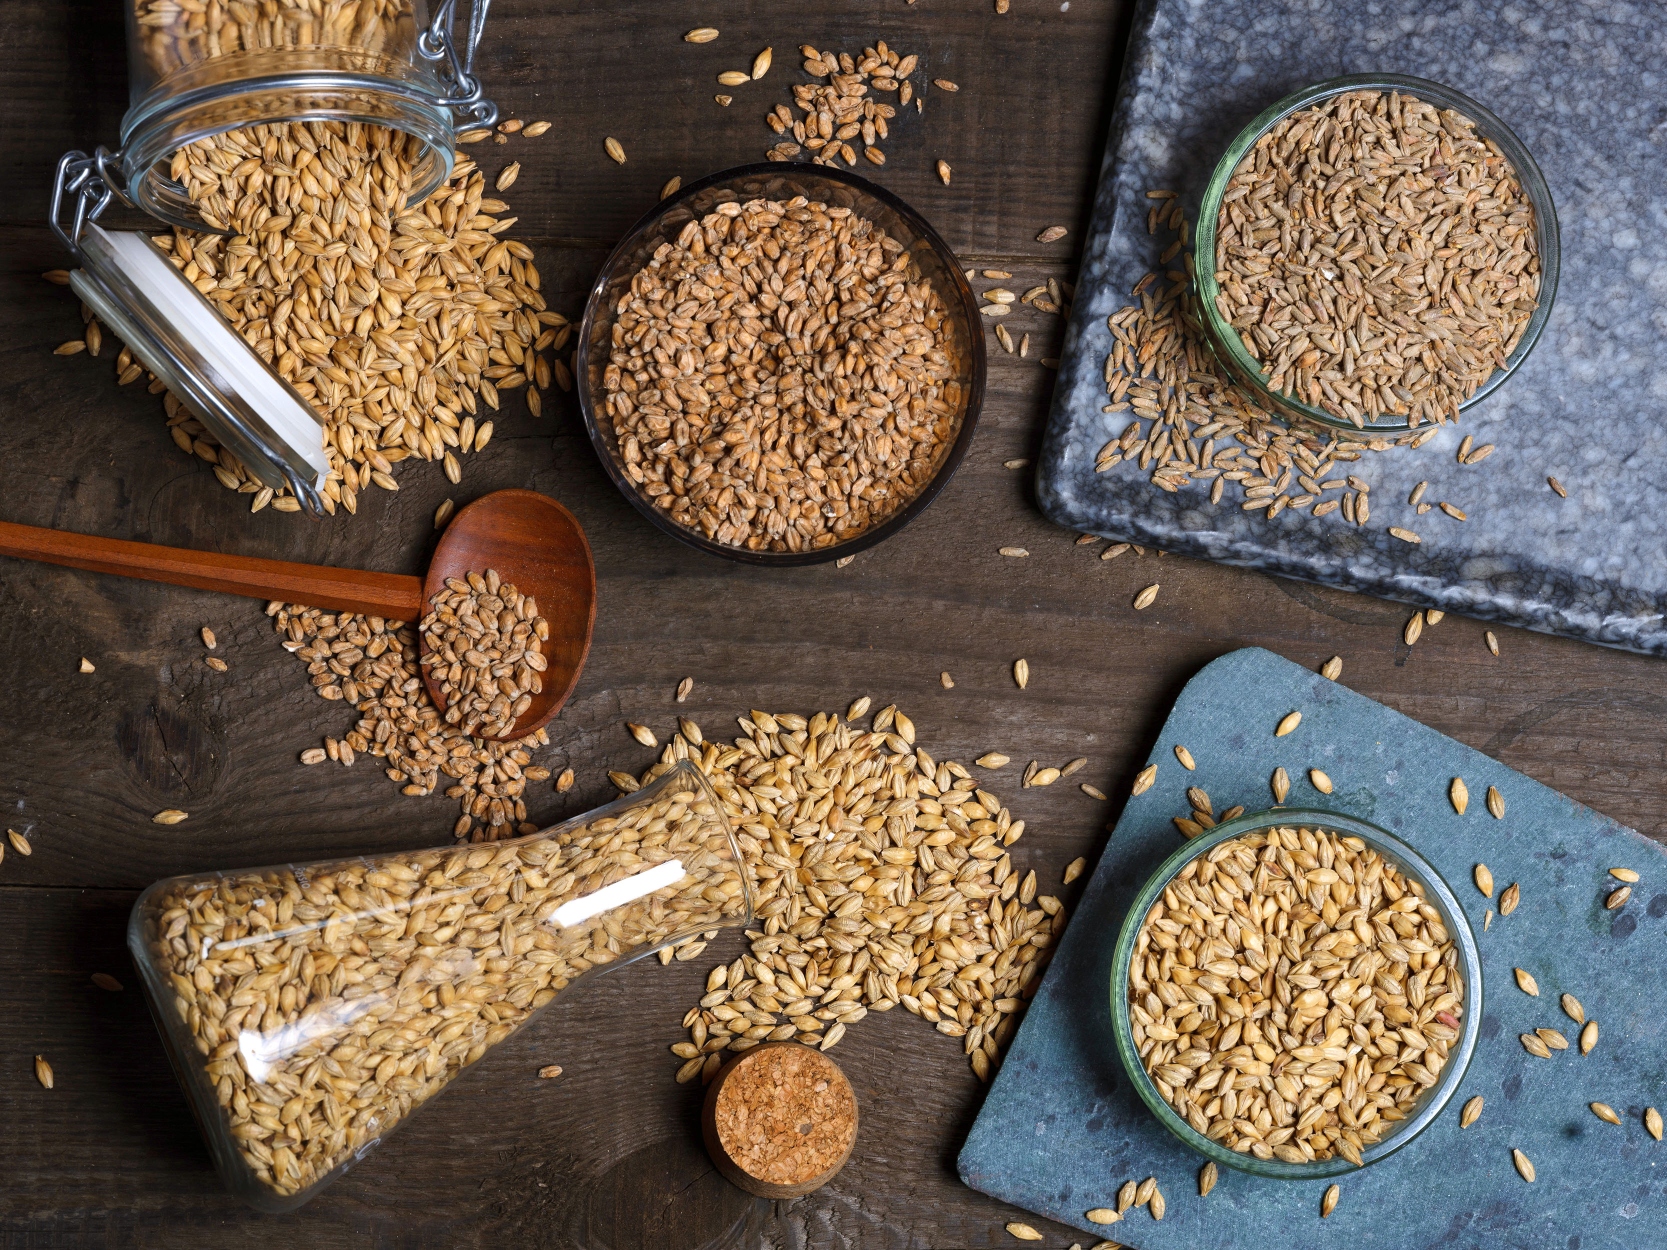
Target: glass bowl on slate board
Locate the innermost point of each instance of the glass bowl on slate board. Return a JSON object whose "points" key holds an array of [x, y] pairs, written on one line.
{"points": [[1224, 340], [932, 261], [1436, 892]]}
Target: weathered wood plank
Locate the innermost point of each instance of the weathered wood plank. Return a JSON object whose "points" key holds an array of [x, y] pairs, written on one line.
{"points": [[608, 1154]]}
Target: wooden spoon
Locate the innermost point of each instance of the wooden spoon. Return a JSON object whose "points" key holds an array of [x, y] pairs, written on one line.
{"points": [[529, 538]]}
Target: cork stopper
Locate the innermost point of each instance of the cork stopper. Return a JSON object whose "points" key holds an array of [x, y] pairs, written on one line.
{"points": [[780, 1120]]}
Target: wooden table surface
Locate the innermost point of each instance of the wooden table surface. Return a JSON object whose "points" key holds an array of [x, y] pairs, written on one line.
{"points": [[609, 1154]]}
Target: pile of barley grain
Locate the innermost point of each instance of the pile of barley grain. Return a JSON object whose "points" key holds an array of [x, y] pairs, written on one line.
{"points": [[779, 378], [882, 878], [395, 323], [329, 1006], [841, 110], [371, 663], [483, 640], [1292, 994], [1378, 257]]}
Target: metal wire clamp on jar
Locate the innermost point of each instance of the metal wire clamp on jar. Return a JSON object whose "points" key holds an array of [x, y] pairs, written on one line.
{"points": [[199, 68]]}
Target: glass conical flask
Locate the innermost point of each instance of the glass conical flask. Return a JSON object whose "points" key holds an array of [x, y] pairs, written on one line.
{"points": [[309, 1009]]}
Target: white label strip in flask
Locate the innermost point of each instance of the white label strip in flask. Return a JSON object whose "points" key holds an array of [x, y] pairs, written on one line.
{"points": [[578, 910], [220, 345]]}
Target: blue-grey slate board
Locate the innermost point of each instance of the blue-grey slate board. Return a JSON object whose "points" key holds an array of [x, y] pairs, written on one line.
{"points": [[1062, 1128], [1583, 83]]}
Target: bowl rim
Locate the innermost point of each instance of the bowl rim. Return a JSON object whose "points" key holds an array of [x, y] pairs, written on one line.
{"points": [[1224, 341], [975, 383], [1438, 893]]}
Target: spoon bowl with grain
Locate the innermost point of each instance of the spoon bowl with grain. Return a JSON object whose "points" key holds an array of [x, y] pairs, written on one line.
{"points": [[529, 538]]}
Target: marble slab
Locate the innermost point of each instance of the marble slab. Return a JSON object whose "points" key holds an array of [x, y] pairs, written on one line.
{"points": [[1584, 84], [1062, 1127]]}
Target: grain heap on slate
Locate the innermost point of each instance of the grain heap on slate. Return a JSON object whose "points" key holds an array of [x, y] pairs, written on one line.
{"points": [[371, 663], [483, 649], [326, 1008], [1378, 257], [395, 322], [1292, 995], [1192, 424], [779, 378], [881, 877], [841, 110]]}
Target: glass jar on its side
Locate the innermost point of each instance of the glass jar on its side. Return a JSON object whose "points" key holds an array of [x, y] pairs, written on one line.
{"points": [[309, 1009], [384, 73], [196, 69]]}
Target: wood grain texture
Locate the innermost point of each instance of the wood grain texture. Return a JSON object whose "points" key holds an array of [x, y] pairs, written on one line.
{"points": [[608, 1155]]}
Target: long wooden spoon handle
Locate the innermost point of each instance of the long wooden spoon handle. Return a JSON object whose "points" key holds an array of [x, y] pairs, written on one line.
{"points": [[391, 595]]}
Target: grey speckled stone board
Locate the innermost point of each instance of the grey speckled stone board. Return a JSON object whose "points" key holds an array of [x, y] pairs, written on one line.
{"points": [[1062, 1128], [1583, 83]]}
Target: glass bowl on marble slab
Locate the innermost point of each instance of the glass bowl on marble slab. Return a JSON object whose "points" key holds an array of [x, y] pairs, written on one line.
{"points": [[1225, 341], [1464, 961], [930, 260]]}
